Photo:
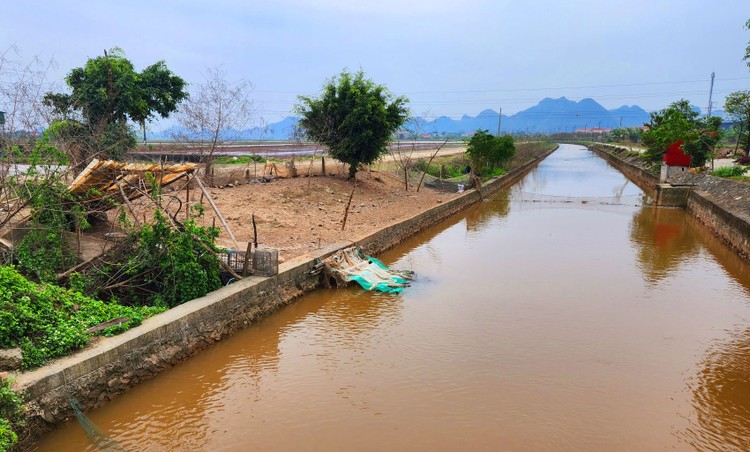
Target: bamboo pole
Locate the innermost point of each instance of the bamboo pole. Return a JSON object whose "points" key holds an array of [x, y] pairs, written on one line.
{"points": [[216, 211]]}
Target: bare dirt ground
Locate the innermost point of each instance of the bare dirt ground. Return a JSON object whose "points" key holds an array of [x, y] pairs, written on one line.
{"points": [[303, 214]]}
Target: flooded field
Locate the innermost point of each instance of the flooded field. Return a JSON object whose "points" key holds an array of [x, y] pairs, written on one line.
{"points": [[563, 314]]}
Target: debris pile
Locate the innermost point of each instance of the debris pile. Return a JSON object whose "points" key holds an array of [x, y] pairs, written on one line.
{"points": [[351, 264]]}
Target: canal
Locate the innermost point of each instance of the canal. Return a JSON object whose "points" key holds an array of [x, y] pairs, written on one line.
{"points": [[563, 314]]}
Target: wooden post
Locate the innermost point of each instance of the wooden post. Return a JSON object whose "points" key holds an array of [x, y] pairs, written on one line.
{"points": [[255, 233], [248, 254], [187, 198]]}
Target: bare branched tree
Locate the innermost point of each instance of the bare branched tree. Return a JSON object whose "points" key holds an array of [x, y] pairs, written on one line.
{"points": [[402, 153], [22, 87], [214, 114]]}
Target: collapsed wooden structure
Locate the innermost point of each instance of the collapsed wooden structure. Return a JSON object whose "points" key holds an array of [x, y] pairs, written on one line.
{"points": [[103, 184]]}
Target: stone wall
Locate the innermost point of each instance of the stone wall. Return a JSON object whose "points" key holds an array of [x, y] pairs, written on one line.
{"points": [[114, 364]]}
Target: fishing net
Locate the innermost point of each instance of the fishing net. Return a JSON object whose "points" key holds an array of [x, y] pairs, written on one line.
{"points": [[96, 436], [352, 265]]}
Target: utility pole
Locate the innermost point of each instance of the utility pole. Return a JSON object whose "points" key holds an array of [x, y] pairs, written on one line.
{"points": [[711, 94], [499, 119], [620, 127]]}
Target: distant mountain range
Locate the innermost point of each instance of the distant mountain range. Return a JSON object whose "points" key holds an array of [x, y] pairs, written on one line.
{"points": [[548, 116]]}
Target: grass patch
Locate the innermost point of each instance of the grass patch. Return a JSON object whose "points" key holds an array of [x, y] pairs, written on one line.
{"points": [[239, 159], [730, 171], [444, 167]]}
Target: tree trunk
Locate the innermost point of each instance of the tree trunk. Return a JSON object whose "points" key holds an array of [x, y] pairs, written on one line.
{"points": [[352, 171]]}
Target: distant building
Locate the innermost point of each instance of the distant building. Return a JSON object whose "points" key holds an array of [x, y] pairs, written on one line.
{"points": [[598, 130]]}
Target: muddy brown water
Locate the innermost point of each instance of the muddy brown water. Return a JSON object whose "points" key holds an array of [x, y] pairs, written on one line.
{"points": [[563, 314]]}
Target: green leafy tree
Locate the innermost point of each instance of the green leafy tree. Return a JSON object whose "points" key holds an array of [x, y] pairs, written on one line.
{"points": [[353, 117], [737, 105], [747, 49], [106, 93], [629, 134], [487, 152], [680, 122]]}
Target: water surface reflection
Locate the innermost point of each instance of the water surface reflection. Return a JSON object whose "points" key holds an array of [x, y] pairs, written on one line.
{"points": [[721, 397]]}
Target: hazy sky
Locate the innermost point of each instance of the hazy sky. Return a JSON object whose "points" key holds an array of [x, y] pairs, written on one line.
{"points": [[448, 57]]}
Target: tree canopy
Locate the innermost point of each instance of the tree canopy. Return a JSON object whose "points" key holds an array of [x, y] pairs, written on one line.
{"points": [[487, 152], [737, 105], [679, 121], [106, 93], [354, 117]]}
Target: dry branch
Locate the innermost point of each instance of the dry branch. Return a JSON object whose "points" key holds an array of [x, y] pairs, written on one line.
{"points": [[429, 162]]}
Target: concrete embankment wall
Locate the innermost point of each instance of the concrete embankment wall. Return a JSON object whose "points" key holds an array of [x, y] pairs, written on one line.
{"points": [[722, 205], [112, 365], [628, 166]]}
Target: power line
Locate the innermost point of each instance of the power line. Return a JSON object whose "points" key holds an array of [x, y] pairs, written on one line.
{"points": [[618, 85]]}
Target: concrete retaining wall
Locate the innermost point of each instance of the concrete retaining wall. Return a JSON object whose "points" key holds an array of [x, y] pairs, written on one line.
{"points": [[722, 205], [731, 226], [627, 165], [114, 364]]}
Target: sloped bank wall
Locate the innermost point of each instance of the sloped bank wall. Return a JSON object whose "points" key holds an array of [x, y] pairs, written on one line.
{"points": [[114, 364], [628, 166]]}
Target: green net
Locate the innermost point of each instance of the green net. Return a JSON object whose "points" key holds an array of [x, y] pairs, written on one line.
{"points": [[352, 265]]}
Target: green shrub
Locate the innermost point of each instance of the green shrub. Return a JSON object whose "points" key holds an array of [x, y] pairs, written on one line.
{"points": [[42, 253], [488, 152], [48, 321], [7, 436], [168, 265], [450, 168], [11, 414], [730, 171]]}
